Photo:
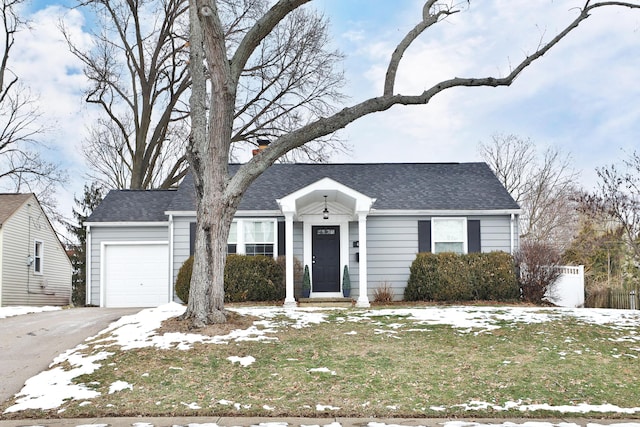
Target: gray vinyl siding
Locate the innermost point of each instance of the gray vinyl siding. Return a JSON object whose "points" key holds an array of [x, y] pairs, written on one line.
{"points": [[298, 241], [181, 242], [495, 233], [131, 233], [392, 245], [19, 284]]}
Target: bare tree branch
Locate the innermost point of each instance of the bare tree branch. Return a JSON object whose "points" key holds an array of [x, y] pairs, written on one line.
{"points": [[22, 165], [544, 186], [139, 75]]}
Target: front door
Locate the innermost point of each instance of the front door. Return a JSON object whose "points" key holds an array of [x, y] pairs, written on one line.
{"points": [[325, 251]]}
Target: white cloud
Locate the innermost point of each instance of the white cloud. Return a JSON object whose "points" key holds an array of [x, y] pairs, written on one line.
{"points": [[581, 96], [43, 62]]}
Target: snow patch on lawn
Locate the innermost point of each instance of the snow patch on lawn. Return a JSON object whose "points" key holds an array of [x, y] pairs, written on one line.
{"points": [[119, 386], [49, 389], [243, 361], [324, 370]]}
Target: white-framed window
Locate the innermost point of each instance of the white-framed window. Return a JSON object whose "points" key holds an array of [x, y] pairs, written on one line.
{"points": [[38, 251], [259, 238], [232, 241], [253, 237], [449, 235]]}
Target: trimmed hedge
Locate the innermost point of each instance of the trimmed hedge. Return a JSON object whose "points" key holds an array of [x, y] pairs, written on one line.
{"points": [[452, 277], [183, 281], [246, 278], [253, 278]]}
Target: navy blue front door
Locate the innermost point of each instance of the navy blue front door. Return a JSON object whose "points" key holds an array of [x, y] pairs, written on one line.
{"points": [[325, 251]]}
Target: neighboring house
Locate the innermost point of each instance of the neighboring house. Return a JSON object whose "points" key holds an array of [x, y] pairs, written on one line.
{"points": [[373, 218], [34, 266]]}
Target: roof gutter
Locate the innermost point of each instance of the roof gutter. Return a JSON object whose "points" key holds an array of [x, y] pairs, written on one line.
{"points": [[126, 223], [443, 212]]}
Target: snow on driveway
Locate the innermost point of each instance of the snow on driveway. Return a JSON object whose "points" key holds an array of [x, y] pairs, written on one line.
{"points": [[51, 388], [18, 310]]}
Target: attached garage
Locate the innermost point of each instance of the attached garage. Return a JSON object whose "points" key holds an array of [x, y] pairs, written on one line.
{"points": [[135, 274]]}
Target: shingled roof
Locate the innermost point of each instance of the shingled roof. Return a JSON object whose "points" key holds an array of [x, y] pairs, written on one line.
{"points": [[133, 206], [9, 203], [395, 186]]}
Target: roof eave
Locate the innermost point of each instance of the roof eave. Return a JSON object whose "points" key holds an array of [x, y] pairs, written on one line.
{"points": [[443, 212], [126, 223]]}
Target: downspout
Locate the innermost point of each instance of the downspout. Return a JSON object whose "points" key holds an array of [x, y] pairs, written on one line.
{"points": [[87, 272], [171, 231], [29, 258], [511, 233]]}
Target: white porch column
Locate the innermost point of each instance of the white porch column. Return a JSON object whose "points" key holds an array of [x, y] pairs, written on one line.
{"points": [[363, 298], [289, 300]]}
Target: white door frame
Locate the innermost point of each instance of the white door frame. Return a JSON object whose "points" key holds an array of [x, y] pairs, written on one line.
{"points": [[317, 220]]}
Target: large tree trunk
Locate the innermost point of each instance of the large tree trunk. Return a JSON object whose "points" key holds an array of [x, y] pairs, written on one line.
{"points": [[206, 296], [208, 157]]}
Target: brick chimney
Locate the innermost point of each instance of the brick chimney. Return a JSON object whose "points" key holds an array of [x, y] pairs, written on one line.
{"points": [[262, 144]]}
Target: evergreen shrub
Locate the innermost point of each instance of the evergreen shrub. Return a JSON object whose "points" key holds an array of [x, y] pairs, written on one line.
{"points": [[454, 277], [183, 281], [253, 278], [246, 278]]}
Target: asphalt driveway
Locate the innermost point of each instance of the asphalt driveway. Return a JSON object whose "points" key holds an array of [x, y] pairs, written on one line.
{"points": [[30, 342]]}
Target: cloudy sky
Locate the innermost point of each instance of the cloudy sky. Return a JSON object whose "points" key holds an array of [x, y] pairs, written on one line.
{"points": [[582, 98]]}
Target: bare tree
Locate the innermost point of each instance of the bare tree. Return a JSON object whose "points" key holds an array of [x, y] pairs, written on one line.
{"points": [[216, 67], [544, 186], [617, 199], [139, 76], [537, 263], [22, 167]]}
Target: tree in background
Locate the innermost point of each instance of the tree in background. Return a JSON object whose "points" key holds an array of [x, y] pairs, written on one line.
{"points": [[139, 76], [22, 167], [217, 66], [543, 185], [601, 249], [91, 198], [616, 203]]}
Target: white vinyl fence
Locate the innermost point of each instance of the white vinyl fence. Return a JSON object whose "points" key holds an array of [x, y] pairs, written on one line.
{"points": [[568, 291]]}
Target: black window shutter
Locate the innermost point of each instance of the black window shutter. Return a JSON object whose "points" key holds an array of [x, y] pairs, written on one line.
{"points": [[192, 238], [424, 236], [473, 236], [281, 242]]}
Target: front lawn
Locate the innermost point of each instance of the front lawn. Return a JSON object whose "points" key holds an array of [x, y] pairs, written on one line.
{"points": [[385, 362]]}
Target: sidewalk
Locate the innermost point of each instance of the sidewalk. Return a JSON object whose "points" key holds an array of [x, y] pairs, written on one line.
{"points": [[297, 422]]}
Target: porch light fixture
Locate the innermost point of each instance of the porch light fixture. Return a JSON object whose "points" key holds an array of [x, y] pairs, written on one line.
{"points": [[325, 212]]}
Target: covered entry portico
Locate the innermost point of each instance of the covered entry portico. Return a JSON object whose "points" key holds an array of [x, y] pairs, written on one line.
{"points": [[326, 237]]}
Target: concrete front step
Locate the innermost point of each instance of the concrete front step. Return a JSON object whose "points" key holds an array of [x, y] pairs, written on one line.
{"points": [[326, 302]]}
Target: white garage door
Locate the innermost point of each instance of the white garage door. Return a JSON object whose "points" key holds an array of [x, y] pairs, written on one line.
{"points": [[136, 275]]}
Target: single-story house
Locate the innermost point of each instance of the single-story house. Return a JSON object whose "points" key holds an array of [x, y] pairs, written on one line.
{"points": [[373, 218], [34, 267]]}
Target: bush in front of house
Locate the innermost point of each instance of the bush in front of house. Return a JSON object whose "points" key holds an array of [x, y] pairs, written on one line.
{"points": [[246, 278], [423, 278], [454, 282], [253, 278], [537, 266], [453, 277], [183, 281], [493, 276]]}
